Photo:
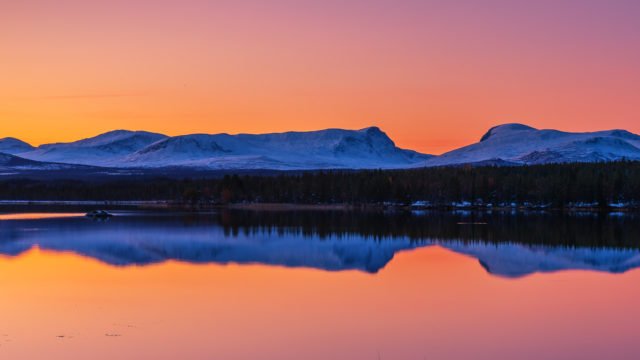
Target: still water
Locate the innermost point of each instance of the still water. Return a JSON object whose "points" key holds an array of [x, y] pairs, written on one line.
{"points": [[319, 285]]}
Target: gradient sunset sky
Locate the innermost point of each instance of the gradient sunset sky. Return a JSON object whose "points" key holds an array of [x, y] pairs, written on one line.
{"points": [[434, 75]]}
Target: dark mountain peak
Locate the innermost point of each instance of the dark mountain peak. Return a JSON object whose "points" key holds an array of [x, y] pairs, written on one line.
{"points": [[373, 130], [12, 139]]}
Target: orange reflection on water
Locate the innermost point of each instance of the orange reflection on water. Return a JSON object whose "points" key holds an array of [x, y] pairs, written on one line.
{"points": [[35, 216], [428, 303]]}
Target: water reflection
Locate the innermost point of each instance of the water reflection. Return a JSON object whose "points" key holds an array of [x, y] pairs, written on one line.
{"points": [[33, 216], [508, 245]]}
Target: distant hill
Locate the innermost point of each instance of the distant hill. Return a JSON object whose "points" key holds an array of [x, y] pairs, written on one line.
{"points": [[13, 146], [14, 163]]}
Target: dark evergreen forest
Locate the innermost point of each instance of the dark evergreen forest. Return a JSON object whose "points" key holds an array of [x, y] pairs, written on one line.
{"points": [[553, 185]]}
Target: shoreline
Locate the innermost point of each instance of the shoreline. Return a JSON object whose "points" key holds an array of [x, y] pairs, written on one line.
{"points": [[168, 205]]}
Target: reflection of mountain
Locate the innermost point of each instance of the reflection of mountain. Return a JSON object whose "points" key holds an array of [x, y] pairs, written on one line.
{"points": [[132, 242], [142, 240], [516, 260]]}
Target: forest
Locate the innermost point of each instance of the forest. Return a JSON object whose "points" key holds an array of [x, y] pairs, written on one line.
{"points": [[601, 185]]}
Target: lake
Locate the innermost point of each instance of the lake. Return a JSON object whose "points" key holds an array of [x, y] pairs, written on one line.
{"points": [[319, 285]]}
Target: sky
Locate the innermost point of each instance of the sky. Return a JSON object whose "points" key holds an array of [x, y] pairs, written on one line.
{"points": [[433, 74]]}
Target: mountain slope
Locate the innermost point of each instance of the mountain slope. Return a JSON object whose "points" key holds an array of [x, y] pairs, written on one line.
{"points": [[11, 163], [522, 144], [100, 150]]}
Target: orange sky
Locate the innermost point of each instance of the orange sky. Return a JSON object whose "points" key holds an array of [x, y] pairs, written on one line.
{"points": [[433, 74]]}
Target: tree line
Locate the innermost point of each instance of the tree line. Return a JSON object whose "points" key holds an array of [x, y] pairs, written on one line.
{"points": [[557, 185]]}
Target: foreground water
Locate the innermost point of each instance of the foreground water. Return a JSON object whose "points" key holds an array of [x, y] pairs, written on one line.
{"points": [[319, 285]]}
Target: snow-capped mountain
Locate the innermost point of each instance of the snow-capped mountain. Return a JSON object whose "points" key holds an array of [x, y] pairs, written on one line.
{"points": [[97, 151], [332, 148], [14, 146], [522, 144], [324, 149]]}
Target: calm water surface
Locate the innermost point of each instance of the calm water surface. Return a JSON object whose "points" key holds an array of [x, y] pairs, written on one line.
{"points": [[319, 285]]}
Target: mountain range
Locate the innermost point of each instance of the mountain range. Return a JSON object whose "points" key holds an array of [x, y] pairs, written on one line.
{"points": [[369, 148]]}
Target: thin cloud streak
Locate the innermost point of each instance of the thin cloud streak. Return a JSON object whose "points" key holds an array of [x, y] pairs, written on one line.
{"points": [[85, 96], [76, 96]]}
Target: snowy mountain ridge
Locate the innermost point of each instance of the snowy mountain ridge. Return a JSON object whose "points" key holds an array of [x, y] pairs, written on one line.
{"points": [[323, 149], [368, 148], [525, 145]]}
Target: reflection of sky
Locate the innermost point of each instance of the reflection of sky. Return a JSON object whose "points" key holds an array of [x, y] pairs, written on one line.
{"points": [[142, 241], [26, 216]]}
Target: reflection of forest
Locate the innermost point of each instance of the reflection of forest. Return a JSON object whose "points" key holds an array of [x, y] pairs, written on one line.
{"points": [[506, 244], [590, 230]]}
